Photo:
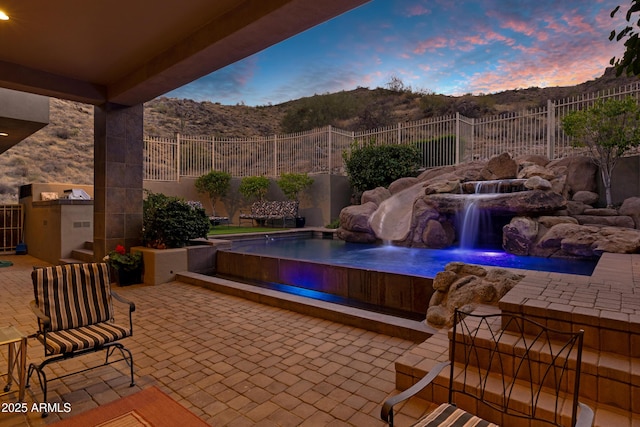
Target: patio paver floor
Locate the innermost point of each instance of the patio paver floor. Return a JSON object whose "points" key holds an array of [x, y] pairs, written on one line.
{"points": [[231, 361]]}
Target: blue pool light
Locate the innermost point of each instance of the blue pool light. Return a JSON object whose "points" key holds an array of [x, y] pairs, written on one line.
{"points": [[402, 260]]}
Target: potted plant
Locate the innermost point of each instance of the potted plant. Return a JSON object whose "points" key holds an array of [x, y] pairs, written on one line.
{"points": [[215, 184], [127, 266], [292, 185]]}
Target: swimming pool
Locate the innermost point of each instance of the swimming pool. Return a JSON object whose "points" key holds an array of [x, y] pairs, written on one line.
{"points": [[402, 260], [390, 279]]}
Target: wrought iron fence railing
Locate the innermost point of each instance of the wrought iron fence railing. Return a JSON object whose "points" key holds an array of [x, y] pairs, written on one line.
{"points": [[444, 140]]}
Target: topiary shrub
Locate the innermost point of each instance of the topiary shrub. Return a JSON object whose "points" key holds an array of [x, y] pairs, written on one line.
{"points": [[292, 184], [215, 184], [170, 222], [254, 187], [374, 166]]}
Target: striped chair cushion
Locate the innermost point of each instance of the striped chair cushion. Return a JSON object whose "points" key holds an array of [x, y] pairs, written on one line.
{"points": [[73, 295], [449, 415], [92, 336]]}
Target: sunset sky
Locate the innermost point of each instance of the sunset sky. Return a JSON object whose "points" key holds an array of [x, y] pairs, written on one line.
{"points": [[438, 46]]}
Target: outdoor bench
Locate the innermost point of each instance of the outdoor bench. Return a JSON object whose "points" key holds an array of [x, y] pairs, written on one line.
{"points": [[74, 308], [503, 369], [263, 211]]}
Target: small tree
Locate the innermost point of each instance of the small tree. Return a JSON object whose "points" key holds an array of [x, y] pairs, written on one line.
{"points": [[254, 187], [215, 184], [292, 184], [608, 129]]}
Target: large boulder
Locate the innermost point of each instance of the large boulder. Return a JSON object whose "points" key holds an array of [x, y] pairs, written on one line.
{"points": [[631, 207], [500, 167], [354, 223], [616, 240], [520, 203], [377, 196], [586, 197], [588, 240], [550, 221], [536, 170], [402, 184], [446, 186], [537, 182], [519, 235], [465, 286], [438, 235], [581, 173], [613, 221]]}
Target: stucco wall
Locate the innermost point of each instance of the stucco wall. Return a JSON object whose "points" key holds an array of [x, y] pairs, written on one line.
{"points": [[320, 205], [625, 181]]}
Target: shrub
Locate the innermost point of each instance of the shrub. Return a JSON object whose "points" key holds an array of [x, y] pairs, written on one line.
{"points": [[169, 222], [254, 187], [333, 224], [292, 184], [374, 166], [215, 184]]}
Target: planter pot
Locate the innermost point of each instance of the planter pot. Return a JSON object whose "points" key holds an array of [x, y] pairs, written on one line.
{"points": [[125, 278], [300, 221]]}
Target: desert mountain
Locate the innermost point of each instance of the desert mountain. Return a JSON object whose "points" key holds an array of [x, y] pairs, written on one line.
{"points": [[63, 150]]}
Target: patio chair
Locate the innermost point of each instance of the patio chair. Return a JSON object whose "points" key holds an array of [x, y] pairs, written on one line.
{"points": [[74, 308], [510, 369]]}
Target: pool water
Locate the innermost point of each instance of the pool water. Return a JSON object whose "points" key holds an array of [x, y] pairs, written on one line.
{"points": [[402, 260]]}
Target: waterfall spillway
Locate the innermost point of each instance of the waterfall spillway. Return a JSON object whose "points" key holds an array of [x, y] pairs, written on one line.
{"points": [[473, 222], [476, 225]]}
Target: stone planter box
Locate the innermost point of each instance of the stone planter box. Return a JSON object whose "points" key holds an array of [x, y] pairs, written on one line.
{"points": [[161, 265]]}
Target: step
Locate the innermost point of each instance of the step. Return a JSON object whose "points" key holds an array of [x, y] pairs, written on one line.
{"points": [[602, 307], [88, 245], [519, 396], [606, 378], [85, 255], [63, 261], [607, 416]]}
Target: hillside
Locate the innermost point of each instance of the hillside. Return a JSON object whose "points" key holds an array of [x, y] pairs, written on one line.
{"points": [[63, 150]]}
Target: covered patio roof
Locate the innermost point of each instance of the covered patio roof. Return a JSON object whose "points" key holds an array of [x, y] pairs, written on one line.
{"points": [[129, 52]]}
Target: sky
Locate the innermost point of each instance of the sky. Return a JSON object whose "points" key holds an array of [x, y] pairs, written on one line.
{"points": [[434, 46]]}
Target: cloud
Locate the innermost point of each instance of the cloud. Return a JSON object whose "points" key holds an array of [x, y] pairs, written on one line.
{"points": [[228, 83], [417, 10], [313, 80], [432, 44]]}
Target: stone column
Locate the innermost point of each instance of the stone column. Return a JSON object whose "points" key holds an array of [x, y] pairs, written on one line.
{"points": [[118, 155]]}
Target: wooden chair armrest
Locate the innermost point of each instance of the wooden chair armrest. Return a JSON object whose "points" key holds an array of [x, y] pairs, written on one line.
{"points": [[46, 321], [585, 416], [132, 306], [387, 409]]}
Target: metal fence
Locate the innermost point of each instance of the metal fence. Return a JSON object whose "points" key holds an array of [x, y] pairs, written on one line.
{"points": [[445, 140]]}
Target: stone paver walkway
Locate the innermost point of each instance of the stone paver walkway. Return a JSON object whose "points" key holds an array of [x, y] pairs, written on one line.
{"points": [[230, 361]]}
